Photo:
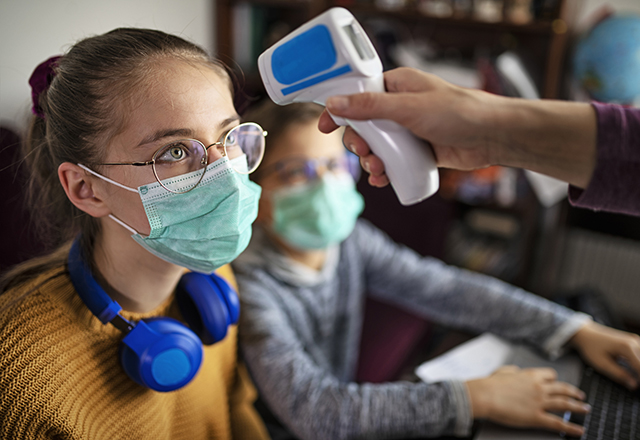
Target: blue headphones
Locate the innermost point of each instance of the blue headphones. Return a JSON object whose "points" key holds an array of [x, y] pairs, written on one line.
{"points": [[161, 353]]}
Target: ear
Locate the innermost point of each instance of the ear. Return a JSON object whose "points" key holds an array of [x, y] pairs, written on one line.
{"points": [[78, 185]]}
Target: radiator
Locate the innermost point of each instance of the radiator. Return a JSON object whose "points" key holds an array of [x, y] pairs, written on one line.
{"points": [[610, 264]]}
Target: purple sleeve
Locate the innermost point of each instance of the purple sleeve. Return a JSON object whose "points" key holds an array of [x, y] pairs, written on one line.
{"points": [[615, 184]]}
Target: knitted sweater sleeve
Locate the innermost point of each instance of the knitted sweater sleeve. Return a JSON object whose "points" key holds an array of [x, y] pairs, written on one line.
{"points": [[312, 402], [462, 299], [614, 184]]}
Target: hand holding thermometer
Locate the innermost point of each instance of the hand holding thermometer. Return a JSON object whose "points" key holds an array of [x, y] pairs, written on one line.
{"points": [[331, 55]]}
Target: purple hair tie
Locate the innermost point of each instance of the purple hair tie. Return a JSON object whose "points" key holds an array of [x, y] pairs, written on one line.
{"points": [[40, 80]]}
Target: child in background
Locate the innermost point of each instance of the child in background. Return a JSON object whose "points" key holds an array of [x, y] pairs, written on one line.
{"points": [[304, 278], [136, 156]]}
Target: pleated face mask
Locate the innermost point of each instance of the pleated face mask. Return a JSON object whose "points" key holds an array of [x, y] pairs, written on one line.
{"points": [[317, 214], [204, 228]]}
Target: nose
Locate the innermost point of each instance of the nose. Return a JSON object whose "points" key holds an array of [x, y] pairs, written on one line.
{"points": [[215, 151], [320, 170]]}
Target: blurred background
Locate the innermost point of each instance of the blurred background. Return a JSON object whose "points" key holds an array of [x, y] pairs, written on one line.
{"points": [[514, 225]]}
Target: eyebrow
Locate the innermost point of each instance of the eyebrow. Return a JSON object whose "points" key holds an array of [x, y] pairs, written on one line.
{"points": [[183, 132]]}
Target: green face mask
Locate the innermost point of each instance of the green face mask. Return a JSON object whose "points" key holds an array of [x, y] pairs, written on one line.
{"points": [[317, 214], [202, 229]]}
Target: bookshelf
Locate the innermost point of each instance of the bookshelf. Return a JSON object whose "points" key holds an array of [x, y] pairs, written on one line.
{"points": [[544, 39]]}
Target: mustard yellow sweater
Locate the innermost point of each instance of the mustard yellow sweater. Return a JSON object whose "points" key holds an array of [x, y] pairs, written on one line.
{"points": [[60, 376]]}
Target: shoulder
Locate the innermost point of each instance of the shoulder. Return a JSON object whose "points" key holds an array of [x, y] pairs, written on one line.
{"points": [[366, 235], [39, 344], [32, 298], [35, 310], [364, 228]]}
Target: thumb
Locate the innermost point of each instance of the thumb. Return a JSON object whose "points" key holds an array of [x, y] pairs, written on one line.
{"points": [[369, 105]]}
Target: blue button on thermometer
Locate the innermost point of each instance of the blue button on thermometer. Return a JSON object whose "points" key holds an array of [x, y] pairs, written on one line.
{"points": [[331, 55]]}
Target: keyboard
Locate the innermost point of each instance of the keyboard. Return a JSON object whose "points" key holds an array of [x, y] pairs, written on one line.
{"points": [[615, 410]]}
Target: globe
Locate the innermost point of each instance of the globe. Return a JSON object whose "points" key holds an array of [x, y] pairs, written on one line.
{"points": [[607, 60]]}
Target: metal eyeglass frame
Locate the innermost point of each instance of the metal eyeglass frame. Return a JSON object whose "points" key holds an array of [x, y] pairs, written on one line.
{"points": [[350, 162], [152, 162]]}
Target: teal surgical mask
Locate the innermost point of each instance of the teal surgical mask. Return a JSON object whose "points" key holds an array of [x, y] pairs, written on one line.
{"points": [[202, 229], [317, 214]]}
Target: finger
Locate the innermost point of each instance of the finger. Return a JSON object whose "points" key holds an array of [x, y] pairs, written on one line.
{"points": [[369, 105], [616, 372], [558, 424], [379, 181], [542, 373], [548, 374], [409, 80], [632, 355], [326, 124], [354, 143], [372, 165], [565, 389], [635, 376], [561, 404]]}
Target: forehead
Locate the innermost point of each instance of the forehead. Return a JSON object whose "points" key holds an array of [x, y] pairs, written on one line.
{"points": [[177, 94], [304, 140]]}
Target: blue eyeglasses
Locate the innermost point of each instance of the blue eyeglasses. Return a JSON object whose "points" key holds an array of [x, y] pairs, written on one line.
{"points": [[300, 170]]}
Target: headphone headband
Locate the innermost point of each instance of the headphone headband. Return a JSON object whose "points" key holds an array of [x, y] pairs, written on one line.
{"points": [[161, 353], [91, 293]]}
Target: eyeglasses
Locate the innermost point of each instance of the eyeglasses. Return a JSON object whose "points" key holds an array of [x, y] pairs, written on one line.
{"points": [[300, 170], [185, 156]]}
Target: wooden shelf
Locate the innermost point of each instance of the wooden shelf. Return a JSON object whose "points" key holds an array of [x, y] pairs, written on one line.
{"points": [[412, 14], [546, 40], [293, 4]]}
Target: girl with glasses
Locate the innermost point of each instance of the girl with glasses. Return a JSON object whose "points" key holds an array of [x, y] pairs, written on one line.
{"points": [[304, 280], [139, 170]]}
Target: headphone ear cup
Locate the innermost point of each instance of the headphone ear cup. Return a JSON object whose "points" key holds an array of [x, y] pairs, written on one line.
{"points": [[161, 354], [229, 295], [204, 306]]}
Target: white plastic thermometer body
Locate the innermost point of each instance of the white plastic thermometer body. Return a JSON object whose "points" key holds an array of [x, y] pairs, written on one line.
{"points": [[331, 55]]}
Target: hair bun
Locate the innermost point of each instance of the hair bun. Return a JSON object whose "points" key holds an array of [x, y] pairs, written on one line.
{"points": [[40, 80]]}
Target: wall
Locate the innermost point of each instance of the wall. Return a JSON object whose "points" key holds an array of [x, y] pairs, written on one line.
{"points": [[606, 263], [33, 30]]}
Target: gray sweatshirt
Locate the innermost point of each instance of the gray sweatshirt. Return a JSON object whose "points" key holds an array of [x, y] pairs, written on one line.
{"points": [[300, 333]]}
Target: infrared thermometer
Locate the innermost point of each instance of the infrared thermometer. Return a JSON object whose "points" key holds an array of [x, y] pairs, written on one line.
{"points": [[331, 55]]}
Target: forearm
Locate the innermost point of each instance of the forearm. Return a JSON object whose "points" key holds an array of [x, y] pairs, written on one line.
{"points": [[555, 138], [317, 406], [479, 303], [314, 404]]}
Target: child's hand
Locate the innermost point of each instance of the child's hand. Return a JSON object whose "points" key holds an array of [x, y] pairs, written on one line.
{"points": [[524, 398], [604, 348]]}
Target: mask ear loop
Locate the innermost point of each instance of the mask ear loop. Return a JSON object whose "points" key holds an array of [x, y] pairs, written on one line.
{"points": [[123, 224], [107, 179], [111, 216]]}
